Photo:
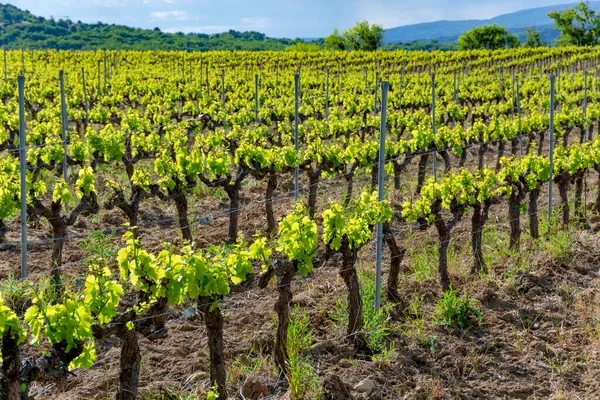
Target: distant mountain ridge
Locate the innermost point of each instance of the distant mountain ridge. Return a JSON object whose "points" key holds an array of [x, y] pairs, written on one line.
{"points": [[448, 31]]}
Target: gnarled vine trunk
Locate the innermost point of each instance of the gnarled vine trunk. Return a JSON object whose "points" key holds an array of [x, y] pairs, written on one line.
{"points": [[444, 242], [10, 382], [421, 172], [514, 218], [481, 155], [597, 205], [271, 186], [396, 256], [181, 204], [478, 220], [514, 146], [578, 204], [355, 311], [443, 229], [59, 233], [233, 192], [53, 365], [213, 320], [534, 195], [563, 190], [463, 158], [447, 163], [285, 273], [129, 373], [349, 184], [501, 148]]}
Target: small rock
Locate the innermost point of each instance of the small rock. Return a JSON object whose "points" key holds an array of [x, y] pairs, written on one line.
{"points": [[254, 390], [544, 348], [322, 347], [541, 347], [345, 364], [365, 386], [335, 389]]}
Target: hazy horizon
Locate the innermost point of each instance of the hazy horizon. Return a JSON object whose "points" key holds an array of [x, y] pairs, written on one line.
{"points": [[276, 18]]}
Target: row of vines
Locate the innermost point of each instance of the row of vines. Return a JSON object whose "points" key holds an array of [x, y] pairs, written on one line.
{"points": [[176, 128]]}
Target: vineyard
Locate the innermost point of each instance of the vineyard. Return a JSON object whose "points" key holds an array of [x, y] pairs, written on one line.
{"points": [[300, 225]]}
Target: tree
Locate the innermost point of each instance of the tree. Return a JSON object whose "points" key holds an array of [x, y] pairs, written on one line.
{"points": [[533, 39], [578, 26], [487, 37], [303, 46], [335, 41], [363, 36]]}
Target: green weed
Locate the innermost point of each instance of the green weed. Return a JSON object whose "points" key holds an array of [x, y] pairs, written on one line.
{"points": [[302, 377], [457, 311]]}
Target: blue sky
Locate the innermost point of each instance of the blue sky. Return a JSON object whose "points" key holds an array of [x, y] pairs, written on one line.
{"points": [[276, 18]]}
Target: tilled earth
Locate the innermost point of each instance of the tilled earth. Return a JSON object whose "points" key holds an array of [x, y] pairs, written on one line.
{"points": [[539, 336]]}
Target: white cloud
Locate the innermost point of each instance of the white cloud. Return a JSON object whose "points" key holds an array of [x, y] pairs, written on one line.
{"points": [[245, 24], [177, 14], [200, 29], [254, 24]]}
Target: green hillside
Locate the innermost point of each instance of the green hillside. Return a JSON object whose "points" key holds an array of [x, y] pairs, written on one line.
{"points": [[22, 30]]}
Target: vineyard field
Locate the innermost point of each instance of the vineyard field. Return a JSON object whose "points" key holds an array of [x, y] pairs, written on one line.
{"points": [[382, 225]]}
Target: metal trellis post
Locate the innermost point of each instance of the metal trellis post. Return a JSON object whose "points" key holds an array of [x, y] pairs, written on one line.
{"points": [[551, 155], [65, 122], [256, 98], [296, 105], [23, 168], [85, 99], [381, 191], [433, 124]]}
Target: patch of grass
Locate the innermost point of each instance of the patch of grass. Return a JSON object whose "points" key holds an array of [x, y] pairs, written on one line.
{"points": [[588, 317], [495, 245], [302, 377], [415, 326], [557, 239], [14, 294], [516, 266], [339, 314], [423, 262], [375, 323], [529, 320], [168, 393], [518, 339], [454, 310], [245, 365], [560, 245]]}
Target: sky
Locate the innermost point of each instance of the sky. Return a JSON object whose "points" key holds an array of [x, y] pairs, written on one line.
{"points": [[276, 18]]}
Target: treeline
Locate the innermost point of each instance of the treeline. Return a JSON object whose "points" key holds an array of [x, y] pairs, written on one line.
{"points": [[22, 30]]}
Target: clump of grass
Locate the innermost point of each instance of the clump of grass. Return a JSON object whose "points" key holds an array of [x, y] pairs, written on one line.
{"points": [[560, 245], [454, 310], [302, 377], [423, 265], [415, 326], [14, 294], [423, 261], [375, 323]]}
